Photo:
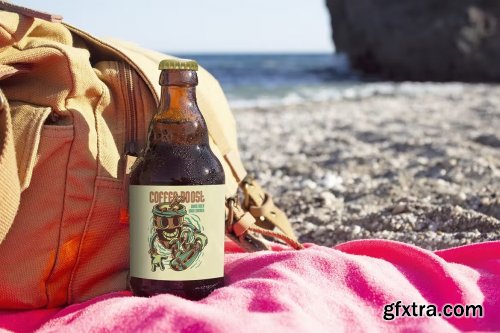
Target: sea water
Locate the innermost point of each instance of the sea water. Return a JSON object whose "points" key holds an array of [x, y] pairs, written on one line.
{"points": [[263, 80], [267, 80]]}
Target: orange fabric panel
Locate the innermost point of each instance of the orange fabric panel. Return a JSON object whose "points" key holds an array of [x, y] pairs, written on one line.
{"points": [[103, 259], [28, 252]]}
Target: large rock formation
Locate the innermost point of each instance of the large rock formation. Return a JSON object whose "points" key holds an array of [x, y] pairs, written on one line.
{"points": [[437, 40]]}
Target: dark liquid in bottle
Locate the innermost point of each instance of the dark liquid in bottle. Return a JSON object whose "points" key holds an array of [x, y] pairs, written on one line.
{"points": [[177, 163]]}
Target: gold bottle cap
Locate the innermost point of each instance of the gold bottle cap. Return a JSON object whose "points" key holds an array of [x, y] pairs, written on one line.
{"points": [[179, 64]]}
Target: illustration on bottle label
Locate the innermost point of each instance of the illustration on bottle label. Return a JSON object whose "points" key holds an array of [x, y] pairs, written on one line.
{"points": [[176, 238], [182, 235]]}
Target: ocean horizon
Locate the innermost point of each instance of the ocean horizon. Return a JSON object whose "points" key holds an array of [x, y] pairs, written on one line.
{"points": [[268, 79]]}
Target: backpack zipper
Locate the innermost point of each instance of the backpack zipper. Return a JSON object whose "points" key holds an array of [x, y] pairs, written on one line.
{"points": [[130, 152], [125, 72]]}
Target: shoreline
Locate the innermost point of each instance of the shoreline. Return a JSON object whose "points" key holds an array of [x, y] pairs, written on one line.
{"points": [[419, 164]]}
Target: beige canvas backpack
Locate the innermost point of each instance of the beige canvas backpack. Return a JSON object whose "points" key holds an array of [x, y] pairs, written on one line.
{"points": [[72, 107]]}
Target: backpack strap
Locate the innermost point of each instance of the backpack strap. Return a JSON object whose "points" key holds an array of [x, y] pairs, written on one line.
{"points": [[241, 227], [260, 204], [257, 220]]}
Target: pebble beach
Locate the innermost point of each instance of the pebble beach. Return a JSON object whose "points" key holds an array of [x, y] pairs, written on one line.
{"points": [[411, 162]]}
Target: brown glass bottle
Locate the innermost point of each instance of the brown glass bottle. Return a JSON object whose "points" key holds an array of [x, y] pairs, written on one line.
{"points": [[178, 154]]}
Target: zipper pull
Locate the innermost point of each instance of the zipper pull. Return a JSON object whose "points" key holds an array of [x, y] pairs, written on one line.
{"points": [[131, 149], [130, 161]]}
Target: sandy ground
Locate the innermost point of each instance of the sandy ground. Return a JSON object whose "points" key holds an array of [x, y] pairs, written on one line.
{"points": [[418, 163]]}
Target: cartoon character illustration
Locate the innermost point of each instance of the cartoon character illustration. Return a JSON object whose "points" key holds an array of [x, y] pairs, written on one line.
{"points": [[174, 237]]}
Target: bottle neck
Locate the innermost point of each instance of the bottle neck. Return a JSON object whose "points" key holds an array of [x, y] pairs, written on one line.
{"points": [[178, 120], [178, 95], [180, 100]]}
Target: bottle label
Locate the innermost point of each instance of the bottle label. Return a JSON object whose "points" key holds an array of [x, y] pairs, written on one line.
{"points": [[176, 232]]}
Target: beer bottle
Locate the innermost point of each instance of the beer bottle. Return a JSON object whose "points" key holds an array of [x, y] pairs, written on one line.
{"points": [[176, 196]]}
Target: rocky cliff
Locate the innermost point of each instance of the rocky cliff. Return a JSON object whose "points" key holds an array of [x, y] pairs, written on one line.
{"points": [[437, 40]]}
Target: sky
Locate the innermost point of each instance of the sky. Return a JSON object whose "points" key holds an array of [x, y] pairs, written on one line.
{"points": [[202, 26]]}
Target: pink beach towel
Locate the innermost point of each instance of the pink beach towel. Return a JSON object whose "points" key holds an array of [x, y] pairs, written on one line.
{"points": [[349, 288]]}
